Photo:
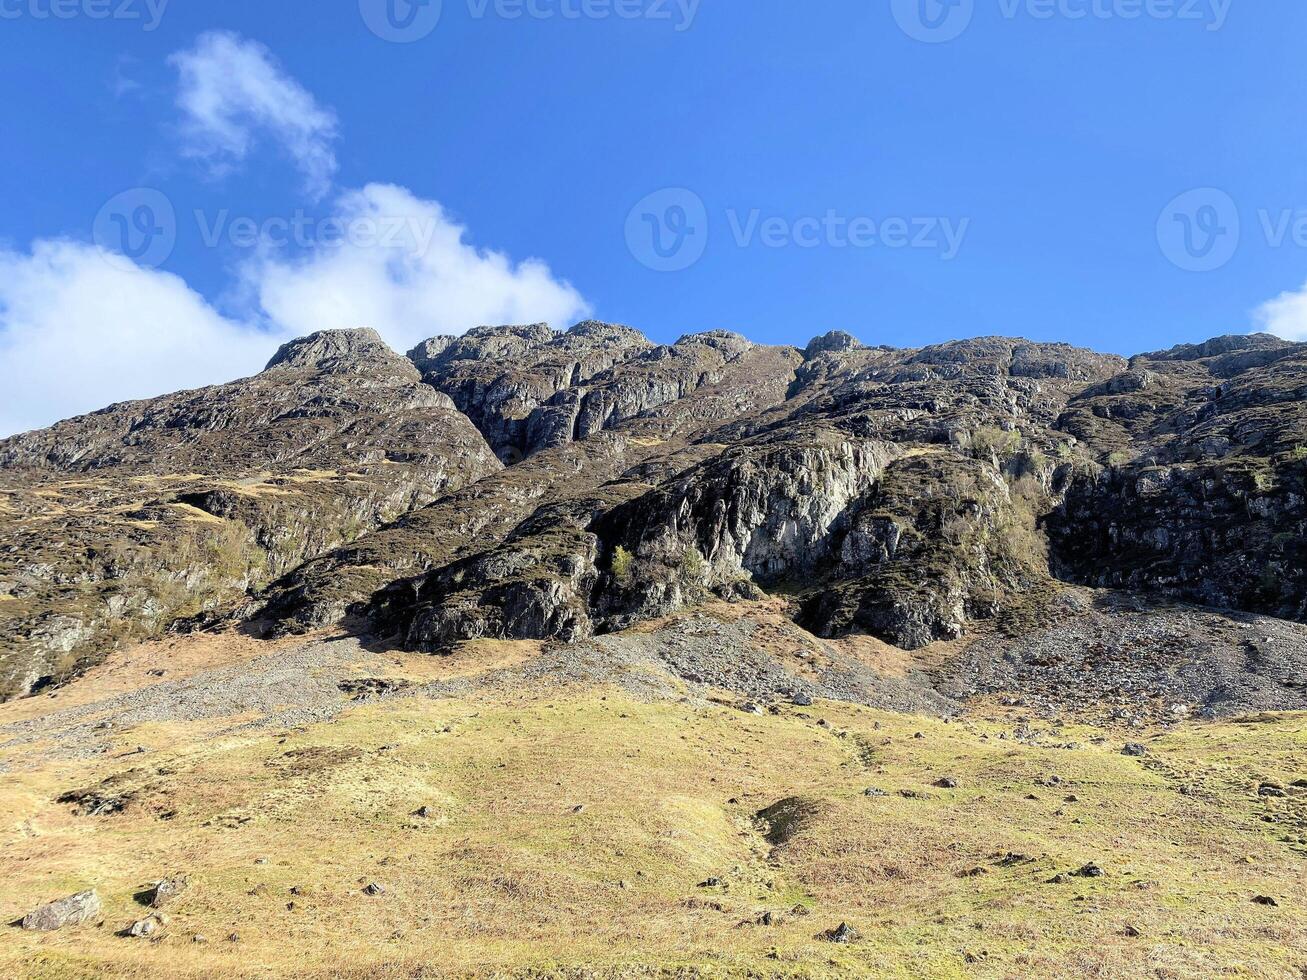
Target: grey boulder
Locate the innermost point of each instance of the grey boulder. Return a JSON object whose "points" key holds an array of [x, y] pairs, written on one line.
{"points": [[70, 911]]}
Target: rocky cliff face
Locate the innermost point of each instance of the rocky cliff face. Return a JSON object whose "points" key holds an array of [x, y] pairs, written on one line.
{"points": [[520, 483], [119, 523], [1206, 496]]}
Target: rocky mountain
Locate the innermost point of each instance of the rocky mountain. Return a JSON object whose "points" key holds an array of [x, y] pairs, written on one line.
{"points": [[520, 483]]}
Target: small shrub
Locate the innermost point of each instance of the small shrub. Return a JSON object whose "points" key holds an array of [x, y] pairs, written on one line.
{"points": [[1263, 481], [693, 565], [994, 443], [623, 565]]}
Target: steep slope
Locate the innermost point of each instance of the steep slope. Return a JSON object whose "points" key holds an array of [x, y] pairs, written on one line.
{"points": [[900, 493], [906, 494], [891, 491], [120, 522], [1206, 497]]}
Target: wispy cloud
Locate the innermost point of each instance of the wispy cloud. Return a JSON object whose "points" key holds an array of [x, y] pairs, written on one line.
{"points": [[233, 92], [1286, 315]]}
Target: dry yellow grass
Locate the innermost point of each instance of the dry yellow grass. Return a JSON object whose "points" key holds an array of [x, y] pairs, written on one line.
{"points": [[508, 877]]}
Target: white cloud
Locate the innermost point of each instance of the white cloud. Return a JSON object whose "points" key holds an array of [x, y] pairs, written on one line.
{"points": [[80, 329], [78, 332], [403, 267], [1286, 315], [233, 90]]}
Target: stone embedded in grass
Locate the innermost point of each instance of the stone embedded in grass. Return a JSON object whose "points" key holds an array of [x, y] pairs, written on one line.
{"points": [[147, 927], [710, 883], [374, 889], [70, 911], [425, 812], [873, 791], [1090, 870], [1134, 749], [1271, 790], [802, 700], [1059, 879], [1011, 859], [1266, 900], [843, 933], [948, 782], [168, 890]]}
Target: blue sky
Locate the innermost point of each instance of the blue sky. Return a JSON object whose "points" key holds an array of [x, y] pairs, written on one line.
{"points": [[1121, 174]]}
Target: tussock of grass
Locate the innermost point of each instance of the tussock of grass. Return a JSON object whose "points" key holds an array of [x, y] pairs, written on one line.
{"points": [[574, 834]]}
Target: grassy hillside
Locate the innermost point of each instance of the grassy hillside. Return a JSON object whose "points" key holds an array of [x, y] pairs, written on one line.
{"points": [[574, 831]]}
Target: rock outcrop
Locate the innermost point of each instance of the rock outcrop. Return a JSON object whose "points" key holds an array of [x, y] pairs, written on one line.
{"points": [[71, 911], [516, 482], [118, 523]]}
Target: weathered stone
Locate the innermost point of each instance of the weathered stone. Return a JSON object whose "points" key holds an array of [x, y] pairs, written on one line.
{"points": [[169, 890], [71, 911]]}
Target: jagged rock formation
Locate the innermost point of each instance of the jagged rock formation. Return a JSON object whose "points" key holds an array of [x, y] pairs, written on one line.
{"points": [[507, 378], [118, 523], [1207, 499], [901, 493]]}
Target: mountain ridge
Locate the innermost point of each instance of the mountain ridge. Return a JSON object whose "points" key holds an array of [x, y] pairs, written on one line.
{"points": [[484, 486]]}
